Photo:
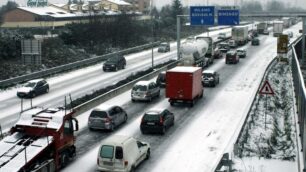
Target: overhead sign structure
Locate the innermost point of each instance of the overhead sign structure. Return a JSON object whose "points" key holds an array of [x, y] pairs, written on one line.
{"points": [[228, 17], [202, 15], [266, 89]]}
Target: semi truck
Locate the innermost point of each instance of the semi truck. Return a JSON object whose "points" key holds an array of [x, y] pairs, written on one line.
{"points": [[184, 85], [209, 55], [192, 53], [261, 27], [240, 34], [278, 27], [41, 140]]}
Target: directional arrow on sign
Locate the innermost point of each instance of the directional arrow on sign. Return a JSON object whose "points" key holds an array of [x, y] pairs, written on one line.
{"points": [[266, 89]]}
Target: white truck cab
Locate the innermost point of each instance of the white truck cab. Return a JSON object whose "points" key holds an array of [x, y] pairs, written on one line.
{"points": [[121, 154]]}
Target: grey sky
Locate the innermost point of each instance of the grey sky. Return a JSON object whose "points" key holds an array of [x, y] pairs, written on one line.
{"points": [[159, 3]]}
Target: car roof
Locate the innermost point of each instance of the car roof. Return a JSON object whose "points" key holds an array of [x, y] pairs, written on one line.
{"points": [[155, 111], [240, 49], [143, 82], [231, 52], [116, 140], [208, 71], [103, 107], [36, 80]]}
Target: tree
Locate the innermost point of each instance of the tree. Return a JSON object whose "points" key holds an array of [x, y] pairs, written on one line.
{"points": [[5, 8], [176, 8], [251, 7], [275, 6]]}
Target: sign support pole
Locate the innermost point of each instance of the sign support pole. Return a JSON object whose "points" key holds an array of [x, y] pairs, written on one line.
{"points": [[266, 111]]}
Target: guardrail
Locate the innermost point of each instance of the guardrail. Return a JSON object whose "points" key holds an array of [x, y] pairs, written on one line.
{"points": [[66, 67], [300, 100], [104, 97]]}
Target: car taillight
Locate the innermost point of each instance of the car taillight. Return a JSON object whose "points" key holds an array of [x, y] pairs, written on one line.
{"points": [[126, 163], [161, 120], [108, 120]]}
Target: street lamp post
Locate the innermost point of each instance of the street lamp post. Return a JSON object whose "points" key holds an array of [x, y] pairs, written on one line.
{"points": [[152, 40]]}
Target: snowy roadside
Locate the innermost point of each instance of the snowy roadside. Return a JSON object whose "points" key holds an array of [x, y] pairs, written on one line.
{"points": [[268, 140]]}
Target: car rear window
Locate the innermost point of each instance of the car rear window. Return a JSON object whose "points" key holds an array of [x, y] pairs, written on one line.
{"points": [[98, 114], [30, 84], [208, 75], [140, 88], [151, 117], [107, 151]]}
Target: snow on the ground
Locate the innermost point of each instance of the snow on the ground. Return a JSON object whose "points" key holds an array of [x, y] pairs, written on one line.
{"points": [[255, 164], [270, 131]]}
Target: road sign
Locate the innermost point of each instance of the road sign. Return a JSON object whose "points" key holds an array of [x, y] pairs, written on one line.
{"points": [[228, 17], [202, 15], [266, 89], [282, 44]]}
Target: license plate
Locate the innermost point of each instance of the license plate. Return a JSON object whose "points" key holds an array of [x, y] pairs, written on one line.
{"points": [[107, 163], [151, 123]]}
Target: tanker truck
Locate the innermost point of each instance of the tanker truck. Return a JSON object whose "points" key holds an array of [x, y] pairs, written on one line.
{"points": [[192, 53]]}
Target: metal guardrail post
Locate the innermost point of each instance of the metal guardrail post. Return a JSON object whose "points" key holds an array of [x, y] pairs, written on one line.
{"points": [[178, 35]]}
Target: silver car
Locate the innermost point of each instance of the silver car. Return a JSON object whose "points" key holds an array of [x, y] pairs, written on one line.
{"points": [[106, 117], [145, 91]]}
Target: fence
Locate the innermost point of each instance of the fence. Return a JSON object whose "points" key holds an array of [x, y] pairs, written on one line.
{"points": [[300, 99]]}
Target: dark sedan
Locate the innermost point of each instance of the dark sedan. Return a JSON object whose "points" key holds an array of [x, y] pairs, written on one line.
{"points": [[156, 121]]}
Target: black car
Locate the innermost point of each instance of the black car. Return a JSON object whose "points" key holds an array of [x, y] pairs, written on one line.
{"points": [[210, 78], [114, 63], [161, 79], [33, 88], [156, 120], [255, 41]]}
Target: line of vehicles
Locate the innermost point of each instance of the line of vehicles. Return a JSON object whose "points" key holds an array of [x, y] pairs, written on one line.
{"points": [[46, 136]]}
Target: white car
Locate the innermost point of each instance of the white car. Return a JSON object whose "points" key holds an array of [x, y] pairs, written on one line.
{"points": [[145, 91], [122, 154]]}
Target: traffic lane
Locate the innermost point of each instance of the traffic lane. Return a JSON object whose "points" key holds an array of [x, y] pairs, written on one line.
{"points": [[77, 87], [184, 116]]}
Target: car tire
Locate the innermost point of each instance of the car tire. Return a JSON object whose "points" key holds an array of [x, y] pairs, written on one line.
{"points": [[125, 118], [133, 100], [47, 90], [163, 130], [33, 94], [132, 168], [171, 103], [116, 68], [143, 132], [148, 154], [112, 128]]}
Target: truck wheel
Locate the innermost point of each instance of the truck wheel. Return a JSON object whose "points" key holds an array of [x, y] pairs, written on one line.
{"points": [[64, 159], [191, 103]]}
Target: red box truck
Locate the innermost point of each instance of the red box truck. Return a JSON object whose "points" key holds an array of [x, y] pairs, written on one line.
{"points": [[184, 84]]}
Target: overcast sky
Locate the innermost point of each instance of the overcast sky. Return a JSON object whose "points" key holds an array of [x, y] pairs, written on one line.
{"points": [[159, 3]]}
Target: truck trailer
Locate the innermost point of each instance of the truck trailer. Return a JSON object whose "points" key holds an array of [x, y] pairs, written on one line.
{"points": [[240, 34], [41, 140], [278, 27], [192, 53], [209, 55], [184, 85], [261, 27]]}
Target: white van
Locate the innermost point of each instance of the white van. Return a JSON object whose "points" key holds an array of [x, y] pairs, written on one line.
{"points": [[121, 154]]}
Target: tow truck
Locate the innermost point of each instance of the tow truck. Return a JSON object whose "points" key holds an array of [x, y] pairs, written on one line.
{"points": [[41, 140]]}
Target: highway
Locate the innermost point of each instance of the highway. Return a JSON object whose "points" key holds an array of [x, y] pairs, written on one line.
{"points": [[201, 134]]}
